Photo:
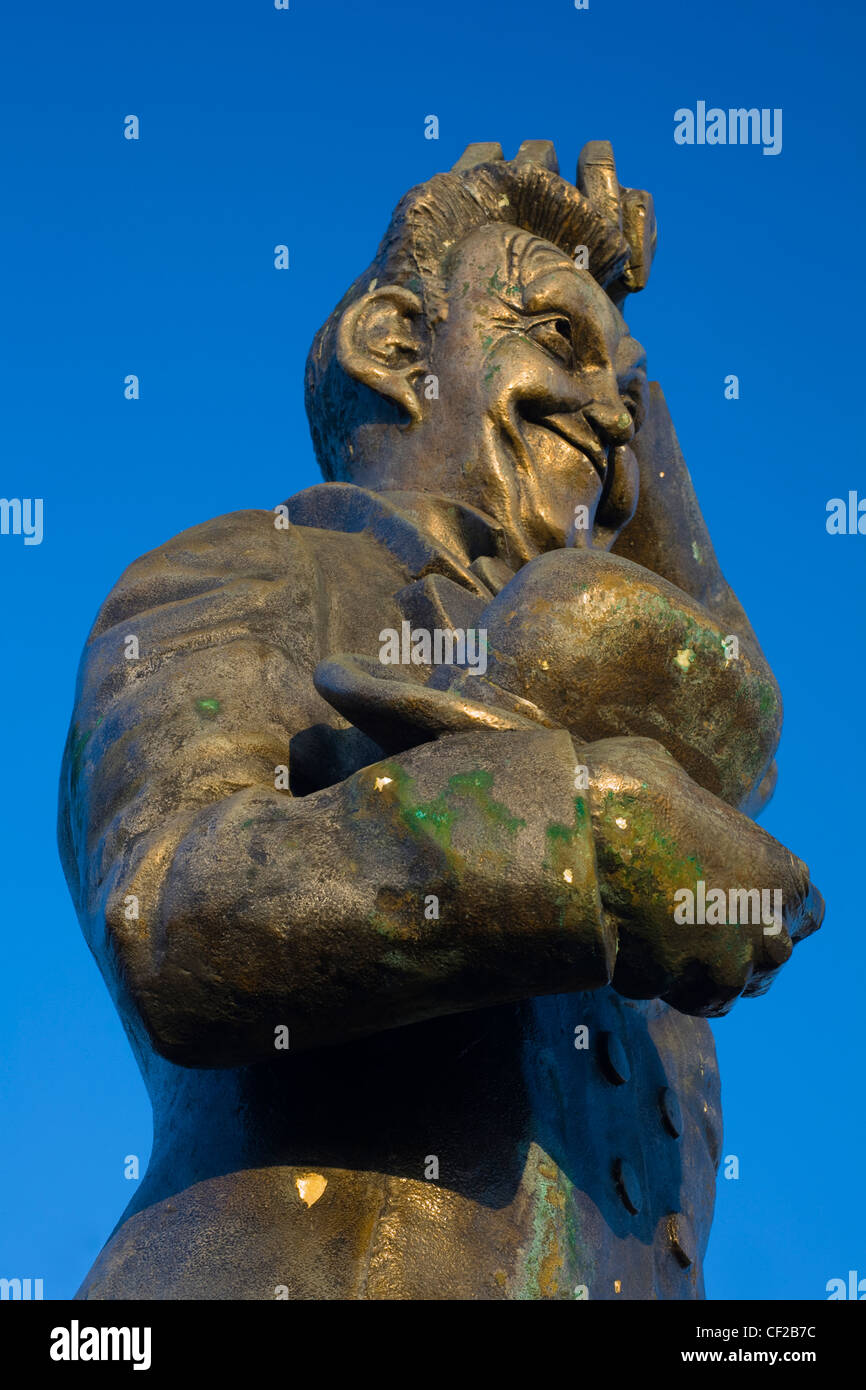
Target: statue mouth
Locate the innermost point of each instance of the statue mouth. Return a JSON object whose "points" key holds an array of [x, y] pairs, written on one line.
{"points": [[573, 429]]}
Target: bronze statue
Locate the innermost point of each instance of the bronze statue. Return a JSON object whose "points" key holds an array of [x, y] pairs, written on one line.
{"points": [[383, 810]]}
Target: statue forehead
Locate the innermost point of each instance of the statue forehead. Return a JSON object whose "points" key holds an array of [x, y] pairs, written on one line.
{"points": [[525, 253], [521, 260]]}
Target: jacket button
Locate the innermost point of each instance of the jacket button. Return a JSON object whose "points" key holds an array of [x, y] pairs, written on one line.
{"points": [[614, 1062], [627, 1185], [682, 1239], [672, 1115]]}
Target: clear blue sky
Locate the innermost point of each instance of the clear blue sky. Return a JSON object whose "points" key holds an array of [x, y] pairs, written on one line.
{"points": [[156, 257]]}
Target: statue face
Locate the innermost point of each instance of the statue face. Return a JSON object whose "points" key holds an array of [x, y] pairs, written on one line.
{"points": [[540, 388], [540, 383]]}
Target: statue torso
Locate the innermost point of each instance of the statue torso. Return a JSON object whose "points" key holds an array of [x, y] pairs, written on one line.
{"points": [[479, 1156]]}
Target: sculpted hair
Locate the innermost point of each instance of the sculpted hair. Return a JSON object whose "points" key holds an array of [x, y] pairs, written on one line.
{"points": [[426, 227]]}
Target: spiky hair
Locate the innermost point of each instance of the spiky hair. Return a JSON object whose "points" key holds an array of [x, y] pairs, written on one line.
{"points": [[427, 226]]}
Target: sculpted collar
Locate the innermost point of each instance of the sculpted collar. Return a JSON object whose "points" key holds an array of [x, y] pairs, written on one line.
{"points": [[429, 533]]}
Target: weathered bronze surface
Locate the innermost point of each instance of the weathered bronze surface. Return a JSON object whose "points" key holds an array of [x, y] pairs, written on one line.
{"points": [[454, 884]]}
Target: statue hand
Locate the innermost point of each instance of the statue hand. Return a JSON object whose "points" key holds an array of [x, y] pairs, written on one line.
{"points": [[630, 208], [657, 833]]}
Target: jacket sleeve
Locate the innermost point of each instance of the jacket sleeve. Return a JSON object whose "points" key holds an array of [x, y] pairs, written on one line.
{"points": [[222, 907]]}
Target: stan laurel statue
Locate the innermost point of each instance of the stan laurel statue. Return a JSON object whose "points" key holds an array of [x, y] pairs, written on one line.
{"points": [[413, 833]]}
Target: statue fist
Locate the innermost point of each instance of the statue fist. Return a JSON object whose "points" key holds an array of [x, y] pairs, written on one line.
{"points": [[664, 844]]}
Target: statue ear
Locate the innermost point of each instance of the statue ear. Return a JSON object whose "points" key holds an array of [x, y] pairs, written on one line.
{"points": [[378, 344]]}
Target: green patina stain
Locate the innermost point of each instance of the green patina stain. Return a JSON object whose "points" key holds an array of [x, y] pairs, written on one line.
{"points": [[754, 688], [494, 283], [492, 372], [641, 862], [767, 700], [695, 641], [567, 834], [439, 816], [436, 816], [551, 1262], [209, 708], [566, 858], [690, 635], [477, 785]]}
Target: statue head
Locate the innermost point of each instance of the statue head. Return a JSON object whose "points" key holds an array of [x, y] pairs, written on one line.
{"points": [[483, 355]]}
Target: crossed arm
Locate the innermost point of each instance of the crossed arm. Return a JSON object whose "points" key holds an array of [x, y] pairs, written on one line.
{"points": [[464, 873], [423, 885]]}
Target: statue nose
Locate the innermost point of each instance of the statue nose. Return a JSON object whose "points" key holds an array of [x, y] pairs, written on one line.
{"points": [[610, 420]]}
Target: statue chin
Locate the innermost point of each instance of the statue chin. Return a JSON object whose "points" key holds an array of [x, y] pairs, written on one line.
{"points": [[606, 648]]}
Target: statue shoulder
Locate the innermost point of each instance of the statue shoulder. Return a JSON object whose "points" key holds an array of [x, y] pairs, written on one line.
{"points": [[251, 548]]}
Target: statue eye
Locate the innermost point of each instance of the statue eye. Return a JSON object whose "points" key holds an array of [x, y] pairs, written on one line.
{"points": [[554, 335]]}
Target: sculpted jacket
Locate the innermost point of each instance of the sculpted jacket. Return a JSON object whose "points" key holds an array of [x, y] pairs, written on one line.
{"points": [[465, 1108]]}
